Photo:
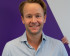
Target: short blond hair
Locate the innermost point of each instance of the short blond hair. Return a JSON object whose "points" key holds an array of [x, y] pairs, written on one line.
{"points": [[41, 2]]}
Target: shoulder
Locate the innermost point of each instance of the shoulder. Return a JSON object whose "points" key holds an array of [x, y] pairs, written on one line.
{"points": [[53, 41], [54, 45], [13, 42]]}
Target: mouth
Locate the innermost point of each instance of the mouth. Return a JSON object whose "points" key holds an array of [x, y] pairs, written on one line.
{"points": [[34, 27]]}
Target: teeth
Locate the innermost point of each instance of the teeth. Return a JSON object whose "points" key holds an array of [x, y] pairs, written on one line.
{"points": [[34, 26]]}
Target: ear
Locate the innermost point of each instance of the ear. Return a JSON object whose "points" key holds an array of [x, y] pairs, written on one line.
{"points": [[22, 19], [45, 18]]}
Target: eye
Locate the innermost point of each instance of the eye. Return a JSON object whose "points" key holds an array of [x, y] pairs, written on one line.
{"points": [[37, 16], [28, 16]]}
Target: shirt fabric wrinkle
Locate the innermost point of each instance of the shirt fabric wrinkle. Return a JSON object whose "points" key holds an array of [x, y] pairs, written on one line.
{"points": [[21, 47]]}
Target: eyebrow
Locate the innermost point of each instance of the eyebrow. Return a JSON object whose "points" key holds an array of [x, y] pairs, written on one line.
{"points": [[34, 14], [38, 13]]}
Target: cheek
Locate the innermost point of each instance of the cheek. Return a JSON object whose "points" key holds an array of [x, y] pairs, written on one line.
{"points": [[41, 21], [26, 21]]}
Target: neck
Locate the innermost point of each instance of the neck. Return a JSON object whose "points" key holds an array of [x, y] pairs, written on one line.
{"points": [[34, 40]]}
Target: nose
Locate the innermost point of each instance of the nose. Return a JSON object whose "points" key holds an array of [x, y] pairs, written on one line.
{"points": [[34, 20]]}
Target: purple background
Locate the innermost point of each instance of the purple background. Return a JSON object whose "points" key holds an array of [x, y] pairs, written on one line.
{"points": [[11, 25]]}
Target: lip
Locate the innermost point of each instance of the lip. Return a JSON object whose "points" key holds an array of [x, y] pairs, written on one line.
{"points": [[34, 27]]}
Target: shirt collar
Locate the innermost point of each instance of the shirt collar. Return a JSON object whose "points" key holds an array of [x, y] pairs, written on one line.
{"points": [[24, 37], [43, 36]]}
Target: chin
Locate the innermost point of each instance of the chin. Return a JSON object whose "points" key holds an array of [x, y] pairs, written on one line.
{"points": [[35, 32]]}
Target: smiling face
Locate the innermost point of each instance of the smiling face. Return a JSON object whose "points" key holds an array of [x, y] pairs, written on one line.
{"points": [[33, 18]]}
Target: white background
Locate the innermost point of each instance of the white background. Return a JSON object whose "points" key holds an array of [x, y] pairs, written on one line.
{"points": [[61, 12]]}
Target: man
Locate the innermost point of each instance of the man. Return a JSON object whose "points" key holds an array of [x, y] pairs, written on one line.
{"points": [[34, 42]]}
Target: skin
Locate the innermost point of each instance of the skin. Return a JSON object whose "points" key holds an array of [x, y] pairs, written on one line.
{"points": [[33, 20], [65, 40]]}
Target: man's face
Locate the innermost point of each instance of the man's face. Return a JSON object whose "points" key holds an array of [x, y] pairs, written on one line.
{"points": [[34, 18]]}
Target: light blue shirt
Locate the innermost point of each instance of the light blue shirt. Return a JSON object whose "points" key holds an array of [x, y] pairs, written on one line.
{"points": [[48, 47]]}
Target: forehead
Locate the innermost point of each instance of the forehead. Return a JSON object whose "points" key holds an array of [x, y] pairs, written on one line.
{"points": [[33, 8]]}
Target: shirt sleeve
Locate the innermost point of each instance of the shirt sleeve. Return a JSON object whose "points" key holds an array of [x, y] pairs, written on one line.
{"points": [[6, 50]]}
